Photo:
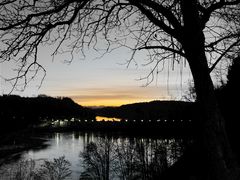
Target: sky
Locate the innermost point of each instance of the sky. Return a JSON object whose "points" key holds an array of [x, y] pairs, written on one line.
{"points": [[105, 81]]}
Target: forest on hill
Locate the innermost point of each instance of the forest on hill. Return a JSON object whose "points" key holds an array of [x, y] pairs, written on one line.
{"points": [[153, 110], [22, 112]]}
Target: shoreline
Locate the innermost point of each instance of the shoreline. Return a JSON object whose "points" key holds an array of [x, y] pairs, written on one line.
{"points": [[14, 144]]}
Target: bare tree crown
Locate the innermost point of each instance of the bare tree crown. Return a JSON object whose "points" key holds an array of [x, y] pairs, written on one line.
{"points": [[155, 26]]}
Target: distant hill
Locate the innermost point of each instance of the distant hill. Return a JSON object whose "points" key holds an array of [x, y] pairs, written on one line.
{"points": [[19, 111], [151, 110]]}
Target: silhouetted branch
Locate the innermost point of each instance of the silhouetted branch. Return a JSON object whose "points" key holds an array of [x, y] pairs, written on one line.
{"points": [[207, 12], [164, 48], [72, 25], [223, 54], [154, 19]]}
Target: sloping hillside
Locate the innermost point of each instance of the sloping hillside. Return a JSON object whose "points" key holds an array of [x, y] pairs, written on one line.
{"points": [[153, 110], [19, 111]]}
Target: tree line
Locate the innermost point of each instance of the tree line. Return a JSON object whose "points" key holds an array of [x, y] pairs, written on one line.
{"points": [[22, 112], [203, 33]]}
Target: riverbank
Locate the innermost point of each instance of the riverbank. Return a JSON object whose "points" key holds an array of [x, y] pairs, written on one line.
{"points": [[158, 128], [14, 143]]}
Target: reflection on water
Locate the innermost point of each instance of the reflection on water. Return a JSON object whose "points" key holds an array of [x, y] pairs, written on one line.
{"points": [[100, 156], [124, 158]]}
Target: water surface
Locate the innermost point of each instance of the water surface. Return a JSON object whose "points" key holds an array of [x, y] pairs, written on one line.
{"points": [[120, 156]]}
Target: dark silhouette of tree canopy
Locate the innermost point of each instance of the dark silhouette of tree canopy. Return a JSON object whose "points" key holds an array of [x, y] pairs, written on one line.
{"points": [[109, 158], [21, 112], [233, 75], [229, 96], [154, 110], [202, 32]]}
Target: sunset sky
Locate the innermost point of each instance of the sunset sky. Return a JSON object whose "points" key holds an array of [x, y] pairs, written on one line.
{"points": [[100, 82]]}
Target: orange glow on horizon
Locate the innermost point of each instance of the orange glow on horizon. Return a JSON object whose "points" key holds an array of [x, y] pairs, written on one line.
{"points": [[111, 102], [107, 102], [118, 96]]}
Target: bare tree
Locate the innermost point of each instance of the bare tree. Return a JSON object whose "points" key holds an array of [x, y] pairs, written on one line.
{"points": [[141, 158], [202, 32]]}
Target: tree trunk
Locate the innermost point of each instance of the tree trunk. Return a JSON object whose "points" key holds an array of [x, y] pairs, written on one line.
{"points": [[214, 142]]}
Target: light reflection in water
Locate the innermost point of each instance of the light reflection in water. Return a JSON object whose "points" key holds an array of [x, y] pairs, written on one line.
{"points": [[102, 118], [73, 145]]}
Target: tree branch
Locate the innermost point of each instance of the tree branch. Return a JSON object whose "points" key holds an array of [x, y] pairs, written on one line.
{"points": [[164, 48], [208, 11], [152, 18], [29, 17], [5, 2], [212, 44], [222, 55], [166, 13]]}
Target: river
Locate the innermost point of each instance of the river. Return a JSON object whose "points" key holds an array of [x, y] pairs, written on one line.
{"points": [[91, 154]]}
